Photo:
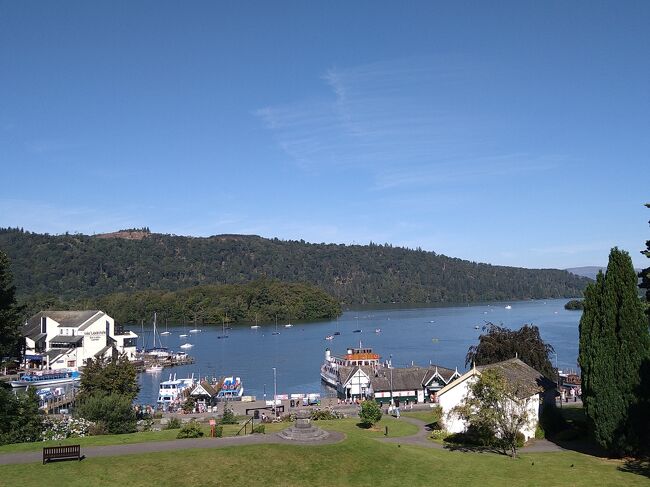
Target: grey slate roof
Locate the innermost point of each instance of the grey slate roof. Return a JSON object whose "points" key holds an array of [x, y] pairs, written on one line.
{"points": [[70, 319], [402, 379], [67, 339], [518, 372]]}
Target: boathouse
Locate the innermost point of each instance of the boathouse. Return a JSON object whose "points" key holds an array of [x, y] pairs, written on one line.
{"points": [[67, 339], [416, 384], [205, 394], [515, 371]]}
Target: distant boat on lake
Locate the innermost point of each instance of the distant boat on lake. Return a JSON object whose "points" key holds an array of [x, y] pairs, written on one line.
{"points": [[508, 306]]}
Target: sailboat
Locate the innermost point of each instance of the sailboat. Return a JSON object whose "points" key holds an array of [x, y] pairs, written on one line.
{"points": [[337, 332], [255, 326], [276, 332], [195, 329], [223, 329], [159, 351], [183, 335], [165, 333]]}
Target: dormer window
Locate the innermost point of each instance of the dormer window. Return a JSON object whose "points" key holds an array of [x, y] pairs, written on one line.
{"points": [[43, 324]]}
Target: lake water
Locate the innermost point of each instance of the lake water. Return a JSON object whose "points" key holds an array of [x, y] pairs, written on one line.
{"points": [[406, 333]]}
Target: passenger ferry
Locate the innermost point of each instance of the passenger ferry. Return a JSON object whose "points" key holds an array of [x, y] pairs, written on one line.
{"points": [[231, 388], [49, 378], [332, 365], [171, 391]]}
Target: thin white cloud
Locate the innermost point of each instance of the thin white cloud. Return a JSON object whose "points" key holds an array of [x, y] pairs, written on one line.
{"points": [[394, 119]]}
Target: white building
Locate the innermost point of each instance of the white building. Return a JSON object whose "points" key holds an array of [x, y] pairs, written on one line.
{"points": [[67, 339], [513, 370]]}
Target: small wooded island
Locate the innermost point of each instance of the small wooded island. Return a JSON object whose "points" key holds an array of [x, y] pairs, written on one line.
{"points": [[575, 305]]}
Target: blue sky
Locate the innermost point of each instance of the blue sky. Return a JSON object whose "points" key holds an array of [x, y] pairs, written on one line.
{"points": [[514, 133]]}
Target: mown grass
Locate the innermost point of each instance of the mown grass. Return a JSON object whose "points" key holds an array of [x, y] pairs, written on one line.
{"points": [[396, 428], [360, 460]]}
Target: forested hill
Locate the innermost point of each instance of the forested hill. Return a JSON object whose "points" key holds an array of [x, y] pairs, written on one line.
{"points": [[73, 266]]}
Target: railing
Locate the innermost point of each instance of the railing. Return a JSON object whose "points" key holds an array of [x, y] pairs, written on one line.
{"points": [[244, 428]]}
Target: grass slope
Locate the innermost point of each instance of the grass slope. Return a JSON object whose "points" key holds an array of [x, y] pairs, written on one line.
{"points": [[358, 461]]}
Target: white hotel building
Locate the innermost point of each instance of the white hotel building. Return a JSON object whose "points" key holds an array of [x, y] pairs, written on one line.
{"points": [[67, 339]]}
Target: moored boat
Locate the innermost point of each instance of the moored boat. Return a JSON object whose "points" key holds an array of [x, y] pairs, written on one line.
{"points": [[49, 378], [231, 388]]}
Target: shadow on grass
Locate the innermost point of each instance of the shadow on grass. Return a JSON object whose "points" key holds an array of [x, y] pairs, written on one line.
{"points": [[472, 448], [637, 466], [364, 426]]}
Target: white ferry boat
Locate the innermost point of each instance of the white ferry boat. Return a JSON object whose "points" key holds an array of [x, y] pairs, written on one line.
{"points": [[231, 388], [332, 366], [171, 390], [49, 378]]}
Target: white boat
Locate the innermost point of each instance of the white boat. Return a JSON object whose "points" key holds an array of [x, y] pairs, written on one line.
{"points": [[255, 327], [48, 378], [166, 332], [231, 388], [154, 368], [377, 330], [288, 325], [195, 330], [329, 337], [186, 345], [184, 335], [508, 306], [477, 327], [329, 371], [157, 351], [171, 390]]}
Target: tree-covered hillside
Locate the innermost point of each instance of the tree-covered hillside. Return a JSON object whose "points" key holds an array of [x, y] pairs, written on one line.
{"points": [[73, 266], [262, 300]]}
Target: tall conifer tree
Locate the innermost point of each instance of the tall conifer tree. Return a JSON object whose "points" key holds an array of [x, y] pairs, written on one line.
{"points": [[10, 339], [614, 343]]}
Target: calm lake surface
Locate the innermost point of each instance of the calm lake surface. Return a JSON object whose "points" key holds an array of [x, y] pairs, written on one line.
{"points": [[406, 333]]}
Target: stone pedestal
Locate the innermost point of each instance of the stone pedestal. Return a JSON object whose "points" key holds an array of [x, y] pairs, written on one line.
{"points": [[303, 429]]}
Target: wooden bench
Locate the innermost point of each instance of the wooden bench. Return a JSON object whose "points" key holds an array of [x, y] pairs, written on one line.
{"points": [[69, 452]]}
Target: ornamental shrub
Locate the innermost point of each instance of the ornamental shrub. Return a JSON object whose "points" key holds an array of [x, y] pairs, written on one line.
{"points": [[370, 413], [228, 417], [174, 424], [259, 429], [190, 430], [114, 412]]}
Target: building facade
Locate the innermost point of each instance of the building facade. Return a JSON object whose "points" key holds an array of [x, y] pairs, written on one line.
{"points": [[58, 340]]}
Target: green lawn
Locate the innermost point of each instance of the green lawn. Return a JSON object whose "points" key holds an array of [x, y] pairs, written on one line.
{"points": [[358, 461], [426, 416], [396, 428]]}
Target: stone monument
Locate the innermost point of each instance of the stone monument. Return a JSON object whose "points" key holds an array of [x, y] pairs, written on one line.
{"points": [[303, 430]]}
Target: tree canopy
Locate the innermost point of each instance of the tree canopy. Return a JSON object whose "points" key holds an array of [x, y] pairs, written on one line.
{"points": [[74, 266], [109, 376], [10, 313], [614, 346], [498, 343], [497, 405]]}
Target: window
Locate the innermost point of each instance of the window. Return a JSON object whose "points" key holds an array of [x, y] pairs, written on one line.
{"points": [[43, 324]]}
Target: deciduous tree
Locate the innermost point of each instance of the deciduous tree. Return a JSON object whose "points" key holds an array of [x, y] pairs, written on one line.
{"points": [[495, 404]]}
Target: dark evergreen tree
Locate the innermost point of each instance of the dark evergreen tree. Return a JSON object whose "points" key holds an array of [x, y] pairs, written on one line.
{"points": [[10, 313], [614, 342], [498, 343]]}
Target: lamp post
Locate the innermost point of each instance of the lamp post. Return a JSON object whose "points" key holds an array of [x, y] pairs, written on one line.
{"points": [[275, 392], [557, 371], [390, 364]]}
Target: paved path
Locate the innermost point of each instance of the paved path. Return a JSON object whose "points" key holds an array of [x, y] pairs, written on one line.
{"points": [[173, 445], [421, 438]]}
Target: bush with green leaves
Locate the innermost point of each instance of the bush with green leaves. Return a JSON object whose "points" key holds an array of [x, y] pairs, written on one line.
{"points": [[370, 413], [20, 418], [113, 413], [218, 431], [260, 429], [439, 434], [325, 414], [173, 424], [190, 430], [228, 416]]}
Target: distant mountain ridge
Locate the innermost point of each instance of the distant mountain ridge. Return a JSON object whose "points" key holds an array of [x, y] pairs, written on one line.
{"points": [[73, 266], [590, 271]]}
